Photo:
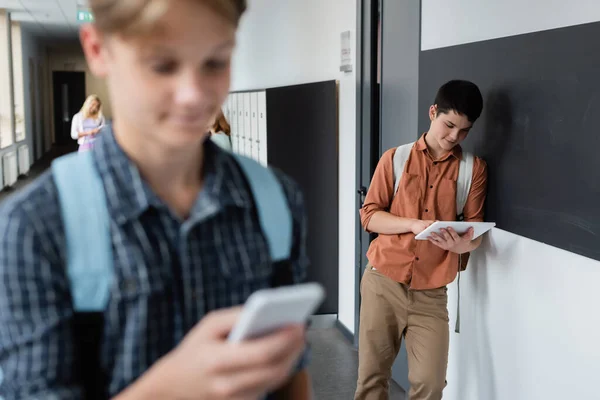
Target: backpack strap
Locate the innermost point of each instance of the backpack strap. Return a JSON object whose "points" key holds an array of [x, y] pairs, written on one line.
{"points": [[271, 205], [463, 187], [463, 183], [89, 261], [89, 252], [87, 230], [400, 158]]}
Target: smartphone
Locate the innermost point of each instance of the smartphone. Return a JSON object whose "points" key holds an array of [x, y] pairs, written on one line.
{"points": [[268, 310]]}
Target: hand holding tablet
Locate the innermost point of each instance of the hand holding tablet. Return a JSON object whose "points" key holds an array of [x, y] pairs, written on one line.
{"points": [[461, 227]]}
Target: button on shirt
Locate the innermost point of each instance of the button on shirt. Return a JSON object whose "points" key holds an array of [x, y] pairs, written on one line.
{"points": [[427, 191], [170, 273]]}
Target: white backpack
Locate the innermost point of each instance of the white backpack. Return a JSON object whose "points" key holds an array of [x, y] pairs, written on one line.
{"points": [[463, 184]]}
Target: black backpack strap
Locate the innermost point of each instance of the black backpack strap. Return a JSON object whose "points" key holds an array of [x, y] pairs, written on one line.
{"points": [[283, 274], [88, 328]]}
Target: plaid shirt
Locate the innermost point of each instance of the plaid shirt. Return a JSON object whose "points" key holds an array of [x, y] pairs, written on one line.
{"points": [[170, 272]]}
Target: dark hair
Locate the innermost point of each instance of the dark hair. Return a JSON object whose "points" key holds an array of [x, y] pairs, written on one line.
{"points": [[460, 96], [221, 124]]}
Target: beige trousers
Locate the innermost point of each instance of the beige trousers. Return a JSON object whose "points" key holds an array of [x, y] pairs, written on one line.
{"points": [[388, 312]]}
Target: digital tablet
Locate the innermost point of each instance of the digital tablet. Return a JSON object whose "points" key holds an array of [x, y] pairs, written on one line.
{"points": [[460, 227]]}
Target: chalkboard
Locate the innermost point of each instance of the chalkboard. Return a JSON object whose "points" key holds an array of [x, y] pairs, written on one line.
{"points": [[539, 131], [302, 141]]}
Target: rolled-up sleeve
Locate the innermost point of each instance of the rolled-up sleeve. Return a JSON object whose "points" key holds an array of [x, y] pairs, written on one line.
{"points": [[381, 189], [475, 205], [36, 349]]}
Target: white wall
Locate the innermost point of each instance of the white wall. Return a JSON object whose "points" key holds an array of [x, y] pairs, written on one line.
{"points": [[529, 320], [448, 23], [529, 324], [6, 98], [298, 41], [18, 80]]}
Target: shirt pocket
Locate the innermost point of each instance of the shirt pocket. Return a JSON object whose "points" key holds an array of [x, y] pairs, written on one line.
{"points": [[446, 199], [409, 196]]}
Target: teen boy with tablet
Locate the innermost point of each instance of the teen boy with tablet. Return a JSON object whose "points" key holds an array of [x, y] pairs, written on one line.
{"points": [[404, 287]]}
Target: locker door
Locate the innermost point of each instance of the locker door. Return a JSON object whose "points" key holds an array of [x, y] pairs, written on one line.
{"points": [[229, 107], [227, 113], [234, 125], [247, 127], [254, 124], [262, 127], [241, 125]]}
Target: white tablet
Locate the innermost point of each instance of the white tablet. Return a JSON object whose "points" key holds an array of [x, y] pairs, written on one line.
{"points": [[459, 226]]}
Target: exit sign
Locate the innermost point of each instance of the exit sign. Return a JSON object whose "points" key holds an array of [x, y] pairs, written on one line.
{"points": [[85, 16]]}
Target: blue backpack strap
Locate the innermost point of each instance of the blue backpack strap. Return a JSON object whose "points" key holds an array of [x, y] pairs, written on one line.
{"points": [[87, 230], [271, 205]]}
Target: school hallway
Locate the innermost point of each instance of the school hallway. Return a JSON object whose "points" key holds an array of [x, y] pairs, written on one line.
{"points": [[321, 90]]}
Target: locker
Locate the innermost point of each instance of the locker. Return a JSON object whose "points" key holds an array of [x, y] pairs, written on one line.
{"points": [[229, 105], [247, 126], [241, 125], [233, 122], [229, 119], [254, 125], [227, 113], [262, 128]]}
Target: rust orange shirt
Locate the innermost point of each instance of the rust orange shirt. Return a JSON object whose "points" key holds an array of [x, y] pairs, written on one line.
{"points": [[427, 191]]}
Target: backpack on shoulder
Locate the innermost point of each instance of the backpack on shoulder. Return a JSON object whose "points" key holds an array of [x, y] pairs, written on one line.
{"points": [[90, 267]]}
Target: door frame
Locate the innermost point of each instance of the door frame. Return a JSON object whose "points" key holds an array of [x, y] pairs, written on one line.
{"points": [[57, 76], [368, 135], [372, 99]]}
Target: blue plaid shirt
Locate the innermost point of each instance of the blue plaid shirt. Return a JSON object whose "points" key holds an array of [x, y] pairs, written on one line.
{"points": [[170, 273]]}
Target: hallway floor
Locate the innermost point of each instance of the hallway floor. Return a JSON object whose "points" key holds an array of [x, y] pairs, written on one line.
{"points": [[334, 363]]}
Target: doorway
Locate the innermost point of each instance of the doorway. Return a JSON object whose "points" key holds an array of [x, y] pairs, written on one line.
{"points": [[368, 144], [387, 100], [69, 95]]}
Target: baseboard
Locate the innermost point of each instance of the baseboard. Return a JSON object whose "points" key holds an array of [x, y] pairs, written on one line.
{"points": [[345, 331]]}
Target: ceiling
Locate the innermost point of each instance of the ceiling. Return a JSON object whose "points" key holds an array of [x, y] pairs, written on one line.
{"points": [[50, 19]]}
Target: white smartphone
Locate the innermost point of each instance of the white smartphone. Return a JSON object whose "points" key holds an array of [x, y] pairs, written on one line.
{"points": [[267, 310]]}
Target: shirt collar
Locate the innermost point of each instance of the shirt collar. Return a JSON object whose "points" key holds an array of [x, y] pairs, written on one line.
{"points": [[456, 150], [128, 195]]}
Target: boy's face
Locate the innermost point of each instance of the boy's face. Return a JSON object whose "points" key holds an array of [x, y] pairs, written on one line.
{"points": [[448, 130], [166, 86]]}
